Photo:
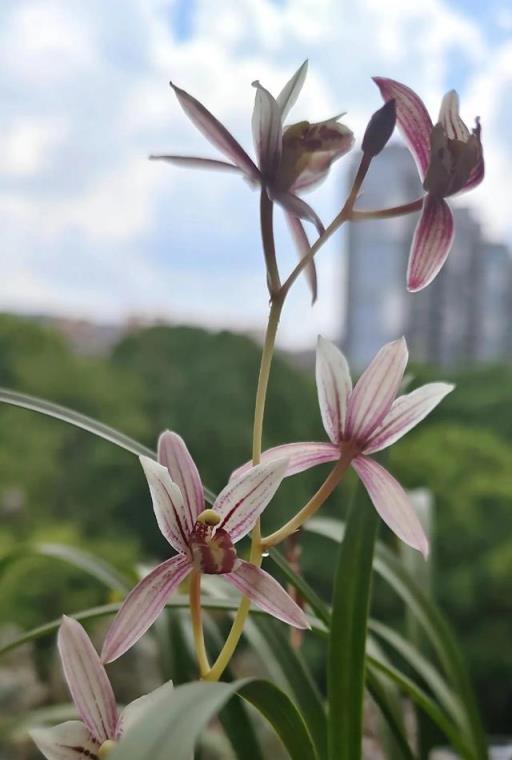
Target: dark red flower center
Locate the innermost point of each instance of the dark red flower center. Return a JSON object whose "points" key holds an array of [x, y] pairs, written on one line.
{"points": [[212, 549]]}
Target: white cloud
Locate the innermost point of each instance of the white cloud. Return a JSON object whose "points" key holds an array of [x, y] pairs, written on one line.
{"points": [[86, 99]]}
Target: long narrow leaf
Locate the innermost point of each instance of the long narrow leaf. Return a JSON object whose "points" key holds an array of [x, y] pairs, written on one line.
{"points": [[347, 640]]}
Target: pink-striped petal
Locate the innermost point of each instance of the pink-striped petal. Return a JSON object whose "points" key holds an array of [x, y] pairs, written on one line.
{"points": [[266, 593], [143, 605], [296, 207], [174, 454], [334, 385], [406, 412], [376, 390], [300, 456], [172, 515], [243, 500], [291, 91], [216, 132], [303, 248], [267, 131], [67, 741], [194, 162], [392, 503], [136, 710], [412, 118], [87, 680], [431, 243], [450, 119]]}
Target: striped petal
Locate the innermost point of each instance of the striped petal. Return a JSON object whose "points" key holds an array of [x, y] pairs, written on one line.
{"points": [[267, 131], [412, 119], [291, 91], [300, 456], [243, 500], [334, 385], [392, 503], [143, 605], [406, 412], [87, 680], [431, 243], [375, 391], [194, 162], [171, 513], [67, 741], [303, 248], [216, 133], [136, 710], [267, 594], [449, 118], [296, 207], [173, 454]]}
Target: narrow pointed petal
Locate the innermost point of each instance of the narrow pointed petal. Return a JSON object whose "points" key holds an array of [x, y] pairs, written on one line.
{"points": [[296, 207], [87, 680], [216, 132], [143, 605], [431, 243], [406, 412], [195, 162], [173, 454], [477, 173], [291, 91], [449, 118], [171, 513], [136, 710], [67, 741], [300, 456], [334, 385], [243, 500], [267, 131], [375, 390], [303, 248], [392, 503], [412, 119], [267, 594]]}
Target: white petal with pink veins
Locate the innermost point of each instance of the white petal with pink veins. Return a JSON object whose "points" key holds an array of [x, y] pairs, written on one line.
{"points": [[431, 243], [174, 454], [291, 91], [172, 514], [375, 390], [300, 456], [267, 131], [267, 594], [87, 680], [392, 503], [142, 606], [406, 412], [334, 385], [243, 500], [136, 710], [67, 741]]}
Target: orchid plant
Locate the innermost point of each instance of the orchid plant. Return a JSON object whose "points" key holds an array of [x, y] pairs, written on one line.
{"points": [[360, 421]]}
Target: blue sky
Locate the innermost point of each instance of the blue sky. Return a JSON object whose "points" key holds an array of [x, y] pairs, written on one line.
{"points": [[93, 229]]}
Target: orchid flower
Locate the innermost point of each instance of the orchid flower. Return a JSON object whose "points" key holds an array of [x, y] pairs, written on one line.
{"points": [[101, 726], [449, 159], [290, 158], [204, 539], [362, 421]]}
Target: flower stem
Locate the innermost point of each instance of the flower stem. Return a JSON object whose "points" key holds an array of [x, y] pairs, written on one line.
{"points": [[197, 623], [267, 236], [386, 213], [314, 504]]}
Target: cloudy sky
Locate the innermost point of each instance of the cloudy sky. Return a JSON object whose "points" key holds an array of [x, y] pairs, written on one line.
{"points": [[91, 228]]}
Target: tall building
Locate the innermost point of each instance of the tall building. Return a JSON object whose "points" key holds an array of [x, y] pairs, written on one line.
{"points": [[463, 316]]}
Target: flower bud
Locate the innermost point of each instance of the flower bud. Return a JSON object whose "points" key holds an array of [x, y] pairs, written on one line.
{"points": [[379, 129]]}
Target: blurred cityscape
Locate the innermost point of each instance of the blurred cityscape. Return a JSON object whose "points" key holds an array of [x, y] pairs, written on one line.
{"points": [[463, 317]]}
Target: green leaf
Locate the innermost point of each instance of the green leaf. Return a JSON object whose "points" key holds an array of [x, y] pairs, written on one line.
{"points": [[95, 567], [391, 716], [177, 720], [79, 420], [347, 639]]}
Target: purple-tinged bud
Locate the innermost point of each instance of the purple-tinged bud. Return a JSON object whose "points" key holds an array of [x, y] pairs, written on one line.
{"points": [[379, 129]]}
